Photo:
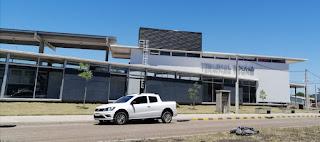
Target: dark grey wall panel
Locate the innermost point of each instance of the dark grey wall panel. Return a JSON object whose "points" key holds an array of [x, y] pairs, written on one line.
{"points": [[73, 90], [172, 90], [118, 86], [54, 84], [170, 39]]}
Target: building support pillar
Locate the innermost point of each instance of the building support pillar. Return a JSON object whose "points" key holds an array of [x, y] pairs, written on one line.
{"points": [[107, 55], [306, 96], [109, 83], [41, 46], [315, 95], [36, 78], [62, 81], [5, 76], [107, 49], [295, 95], [145, 81], [237, 86]]}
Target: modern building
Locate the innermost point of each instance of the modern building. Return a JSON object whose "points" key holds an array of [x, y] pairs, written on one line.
{"points": [[166, 62]]}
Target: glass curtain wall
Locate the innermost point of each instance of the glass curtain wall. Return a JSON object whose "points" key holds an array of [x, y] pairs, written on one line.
{"points": [[20, 81], [27, 79], [248, 91], [48, 83]]}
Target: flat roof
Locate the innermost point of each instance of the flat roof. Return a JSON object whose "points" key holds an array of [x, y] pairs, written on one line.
{"points": [[63, 40], [124, 51]]}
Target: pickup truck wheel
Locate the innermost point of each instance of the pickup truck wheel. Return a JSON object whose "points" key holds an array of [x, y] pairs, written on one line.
{"points": [[120, 118], [166, 117]]}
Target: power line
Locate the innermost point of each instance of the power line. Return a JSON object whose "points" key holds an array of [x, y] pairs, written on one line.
{"points": [[314, 74]]}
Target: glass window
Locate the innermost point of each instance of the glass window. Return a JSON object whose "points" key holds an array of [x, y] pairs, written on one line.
{"points": [[51, 63], [193, 55], [210, 57], [165, 53], [20, 83], [136, 73], [22, 60], [154, 52], [222, 58], [49, 83], [98, 68], [3, 57], [140, 100], [118, 70], [73, 65], [252, 94], [264, 60], [153, 99], [278, 61], [2, 68], [178, 54]]}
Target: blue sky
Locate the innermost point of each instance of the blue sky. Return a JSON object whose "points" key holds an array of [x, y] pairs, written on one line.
{"points": [[269, 27]]}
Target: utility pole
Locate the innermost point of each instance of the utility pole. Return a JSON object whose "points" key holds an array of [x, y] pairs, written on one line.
{"points": [[237, 85], [316, 95], [306, 96]]}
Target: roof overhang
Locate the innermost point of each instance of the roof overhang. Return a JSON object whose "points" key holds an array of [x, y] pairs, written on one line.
{"points": [[296, 85], [123, 51], [63, 40]]}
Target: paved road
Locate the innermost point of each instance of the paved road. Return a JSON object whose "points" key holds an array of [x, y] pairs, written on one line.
{"points": [[93, 132]]}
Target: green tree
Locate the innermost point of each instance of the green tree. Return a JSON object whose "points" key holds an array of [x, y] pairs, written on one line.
{"points": [[86, 74], [301, 94], [263, 95], [193, 93]]}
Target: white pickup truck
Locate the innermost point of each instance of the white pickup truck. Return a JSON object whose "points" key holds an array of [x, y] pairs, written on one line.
{"points": [[136, 106]]}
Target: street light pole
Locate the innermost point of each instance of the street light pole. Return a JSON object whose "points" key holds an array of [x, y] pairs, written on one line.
{"points": [[306, 96], [237, 85]]}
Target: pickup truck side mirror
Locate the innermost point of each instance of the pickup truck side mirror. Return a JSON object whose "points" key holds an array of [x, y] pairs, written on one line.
{"points": [[133, 102]]}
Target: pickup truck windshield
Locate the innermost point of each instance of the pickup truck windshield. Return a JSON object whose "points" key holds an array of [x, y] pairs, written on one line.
{"points": [[123, 99]]}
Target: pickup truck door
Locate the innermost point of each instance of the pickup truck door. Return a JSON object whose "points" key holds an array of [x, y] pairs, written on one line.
{"points": [[154, 107], [140, 107]]}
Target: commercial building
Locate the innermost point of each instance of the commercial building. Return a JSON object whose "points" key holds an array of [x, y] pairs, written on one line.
{"points": [[165, 62]]}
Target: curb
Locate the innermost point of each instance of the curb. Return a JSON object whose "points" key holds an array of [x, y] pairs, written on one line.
{"points": [[257, 117]]}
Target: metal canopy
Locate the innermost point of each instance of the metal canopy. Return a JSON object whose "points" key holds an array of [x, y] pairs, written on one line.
{"points": [[54, 39]]}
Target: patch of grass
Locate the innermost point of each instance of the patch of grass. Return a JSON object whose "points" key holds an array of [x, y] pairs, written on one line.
{"points": [[36, 108], [308, 134], [199, 109], [211, 109]]}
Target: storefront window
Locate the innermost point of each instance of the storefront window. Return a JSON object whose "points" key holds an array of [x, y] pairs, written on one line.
{"points": [[20, 82]]}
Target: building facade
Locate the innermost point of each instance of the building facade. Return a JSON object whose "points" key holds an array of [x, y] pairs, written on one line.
{"points": [[167, 72]]}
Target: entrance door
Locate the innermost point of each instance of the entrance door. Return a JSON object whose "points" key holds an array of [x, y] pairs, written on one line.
{"points": [[209, 94]]}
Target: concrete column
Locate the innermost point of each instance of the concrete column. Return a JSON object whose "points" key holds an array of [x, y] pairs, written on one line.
{"points": [[295, 95], [107, 55], [145, 81], [62, 81], [36, 79], [109, 83], [237, 86], [41, 47], [5, 76]]}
